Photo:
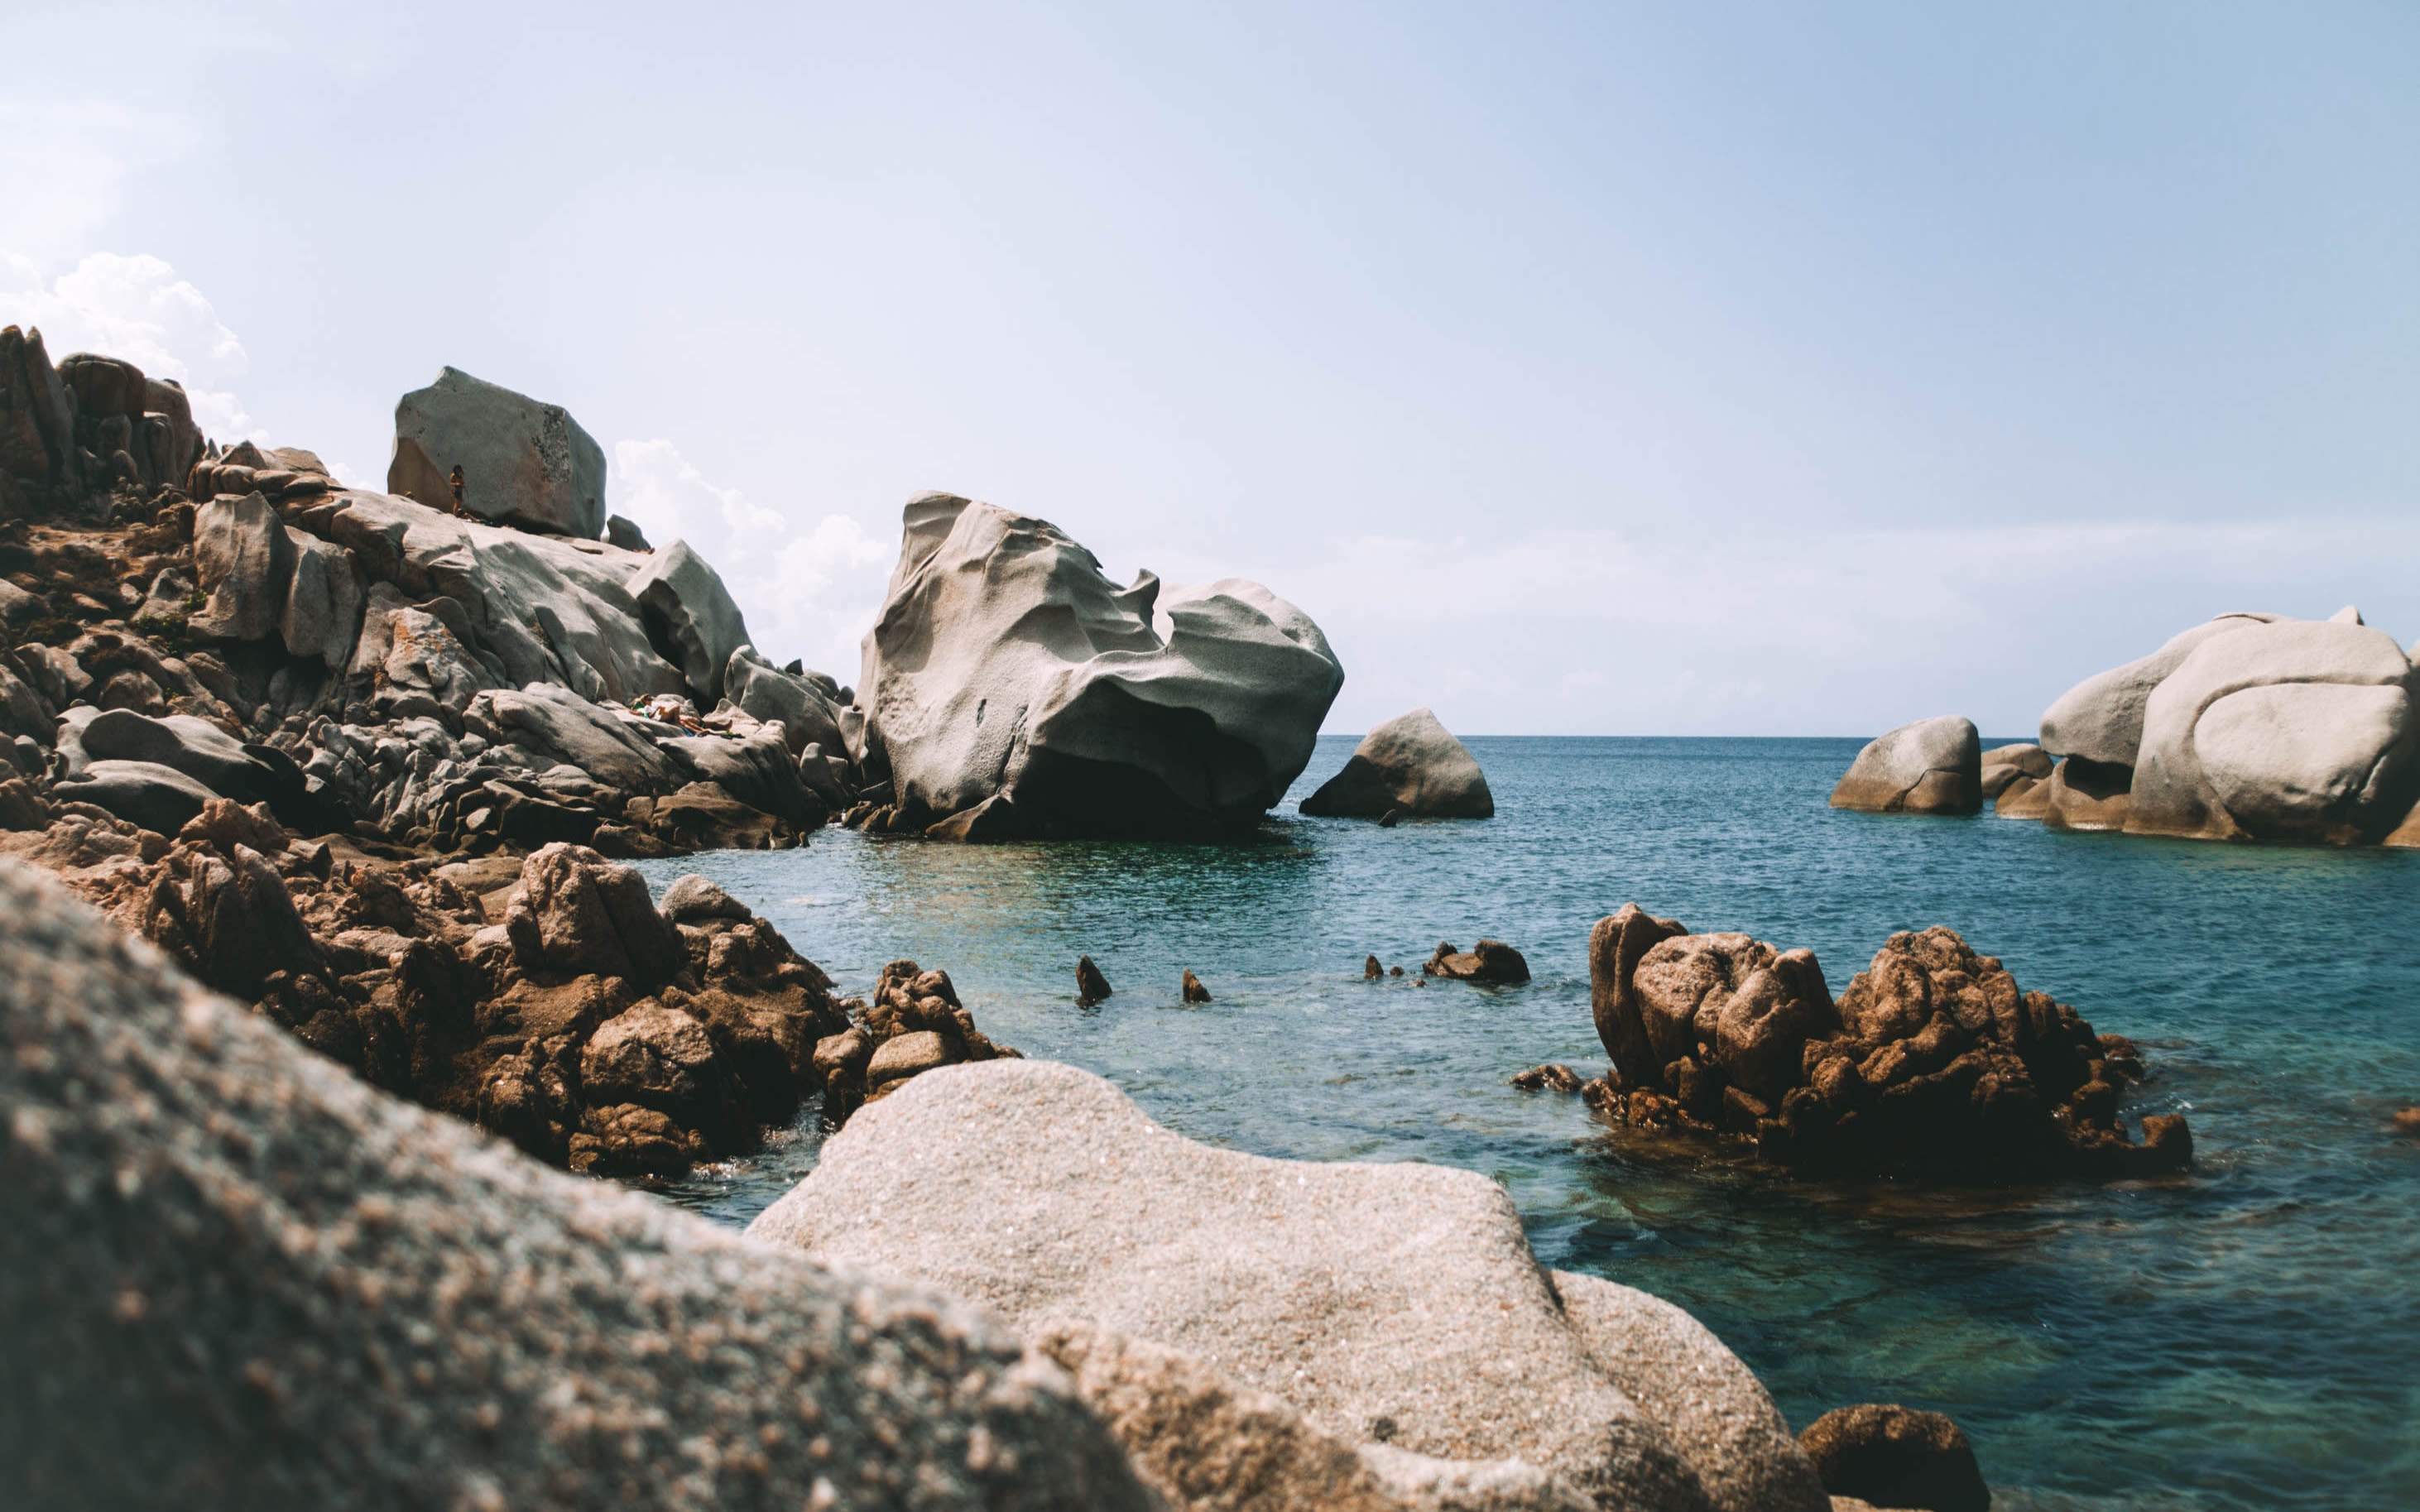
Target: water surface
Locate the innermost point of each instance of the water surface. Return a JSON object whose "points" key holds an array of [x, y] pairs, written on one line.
{"points": [[2244, 1337]]}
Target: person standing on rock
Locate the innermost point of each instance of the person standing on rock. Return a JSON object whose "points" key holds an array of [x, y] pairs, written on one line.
{"points": [[455, 481]]}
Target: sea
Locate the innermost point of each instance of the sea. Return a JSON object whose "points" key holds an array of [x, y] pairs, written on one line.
{"points": [[2246, 1335]]}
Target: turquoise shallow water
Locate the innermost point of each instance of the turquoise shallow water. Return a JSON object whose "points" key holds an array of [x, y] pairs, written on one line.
{"points": [[2246, 1337]]}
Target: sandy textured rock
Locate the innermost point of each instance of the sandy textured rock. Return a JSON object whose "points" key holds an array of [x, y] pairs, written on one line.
{"points": [[1895, 1457], [523, 463], [1411, 764], [1037, 1190], [686, 607], [1012, 688], [2294, 730], [577, 912], [1932, 766], [2004, 766], [2100, 718], [252, 1282]]}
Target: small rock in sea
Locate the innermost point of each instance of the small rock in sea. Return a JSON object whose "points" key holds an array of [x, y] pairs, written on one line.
{"points": [[1390, 819], [1394, 971], [1487, 961], [1895, 1456], [1194, 991], [1371, 969], [1551, 1077], [2407, 1121], [1090, 986]]}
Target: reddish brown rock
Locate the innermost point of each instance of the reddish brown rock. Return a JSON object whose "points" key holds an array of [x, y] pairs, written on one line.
{"points": [[1895, 1457], [1489, 960]]}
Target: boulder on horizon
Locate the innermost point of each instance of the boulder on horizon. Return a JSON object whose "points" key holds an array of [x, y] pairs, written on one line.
{"points": [[1010, 688], [1411, 764], [1932, 766], [1041, 1192], [524, 463], [689, 616]]}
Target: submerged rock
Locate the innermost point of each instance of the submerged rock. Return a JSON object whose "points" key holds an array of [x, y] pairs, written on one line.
{"points": [[1931, 1061], [1895, 1457], [1932, 766], [1090, 986], [1013, 689], [1411, 765], [1490, 960], [1549, 1078], [1183, 1282], [1192, 990], [523, 463], [251, 1282]]}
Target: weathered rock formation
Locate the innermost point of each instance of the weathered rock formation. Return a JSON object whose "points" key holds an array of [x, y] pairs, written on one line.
{"points": [[1491, 961], [1933, 1061], [1411, 764], [2250, 727], [1240, 1320], [523, 463], [1895, 1457], [1932, 766], [2010, 768], [243, 1280], [1010, 688]]}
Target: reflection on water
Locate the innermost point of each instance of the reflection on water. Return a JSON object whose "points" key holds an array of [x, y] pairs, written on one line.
{"points": [[2241, 1337]]}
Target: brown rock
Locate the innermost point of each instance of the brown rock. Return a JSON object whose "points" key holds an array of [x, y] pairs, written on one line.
{"points": [[1490, 960], [1549, 1078], [575, 912], [661, 1059], [1615, 945], [902, 1056], [1895, 1457], [1193, 989], [1370, 970], [1090, 986]]}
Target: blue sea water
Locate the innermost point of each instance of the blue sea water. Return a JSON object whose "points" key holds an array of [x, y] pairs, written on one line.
{"points": [[2245, 1336]]}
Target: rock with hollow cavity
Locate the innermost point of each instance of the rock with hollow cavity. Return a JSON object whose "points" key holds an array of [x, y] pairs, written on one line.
{"points": [[251, 1281], [2100, 718], [1932, 766], [1040, 1192], [1411, 764], [523, 463], [1014, 689]]}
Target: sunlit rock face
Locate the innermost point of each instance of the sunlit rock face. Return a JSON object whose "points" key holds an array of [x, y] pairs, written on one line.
{"points": [[1013, 689]]}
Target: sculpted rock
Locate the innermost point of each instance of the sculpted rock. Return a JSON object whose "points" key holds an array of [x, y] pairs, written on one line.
{"points": [[757, 769], [215, 1242], [523, 463], [2005, 765], [1893, 1456], [1039, 1191], [1931, 766], [1411, 764], [146, 793], [1616, 946], [37, 427], [195, 746], [323, 603], [242, 560], [1736, 1003], [1013, 689], [575, 912], [689, 611], [2293, 729], [660, 1058], [2084, 795], [2100, 718], [626, 533], [802, 704], [557, 724]]}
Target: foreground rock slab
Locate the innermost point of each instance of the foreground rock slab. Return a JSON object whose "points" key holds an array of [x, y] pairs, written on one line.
{"points": [[1932, 766], [247, 1280], [1411, 765], [1395, 1310]]}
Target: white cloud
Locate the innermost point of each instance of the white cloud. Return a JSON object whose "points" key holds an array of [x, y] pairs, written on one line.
{"points": [[137, 308], [67, 164], [809, 593]]}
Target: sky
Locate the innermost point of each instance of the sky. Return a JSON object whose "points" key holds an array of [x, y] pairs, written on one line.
{"points": [[1602, 369]]}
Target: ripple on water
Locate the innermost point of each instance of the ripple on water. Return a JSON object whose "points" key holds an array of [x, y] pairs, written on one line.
{"points": [[2243, 1336]]}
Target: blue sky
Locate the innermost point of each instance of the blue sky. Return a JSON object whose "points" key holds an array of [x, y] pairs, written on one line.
{"points": [[1716, 369]]}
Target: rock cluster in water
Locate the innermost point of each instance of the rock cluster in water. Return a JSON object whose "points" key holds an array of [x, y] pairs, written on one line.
{"points": [[231, 1276], [1012, 689], [1242, 1323], [2249, 726], [1933, 1061]]}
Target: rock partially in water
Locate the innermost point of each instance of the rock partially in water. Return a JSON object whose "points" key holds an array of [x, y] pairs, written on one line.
{"points": [[1932, 766], [1552, 1077], [1370, 970], [1490, 960], [1895, 1456], [2006, 765], [1012, 689], [1040, 1192], [1931, 1062], [1192, 990], [251, 1282], [913, 1025], [1411, 766], [1090, 986]]}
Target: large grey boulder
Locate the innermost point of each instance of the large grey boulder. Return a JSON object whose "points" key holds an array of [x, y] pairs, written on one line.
{"points": [[1394, 1307], [1412, 764], [2288, 729], [1013, 688], [523, 463], [323, 602], [243, 558], [2100, 718], [145, 794], [195, 746], [688, 610], [806, 705], [756, 768], [557, 725], [233, 1276], [1932, 766]]}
